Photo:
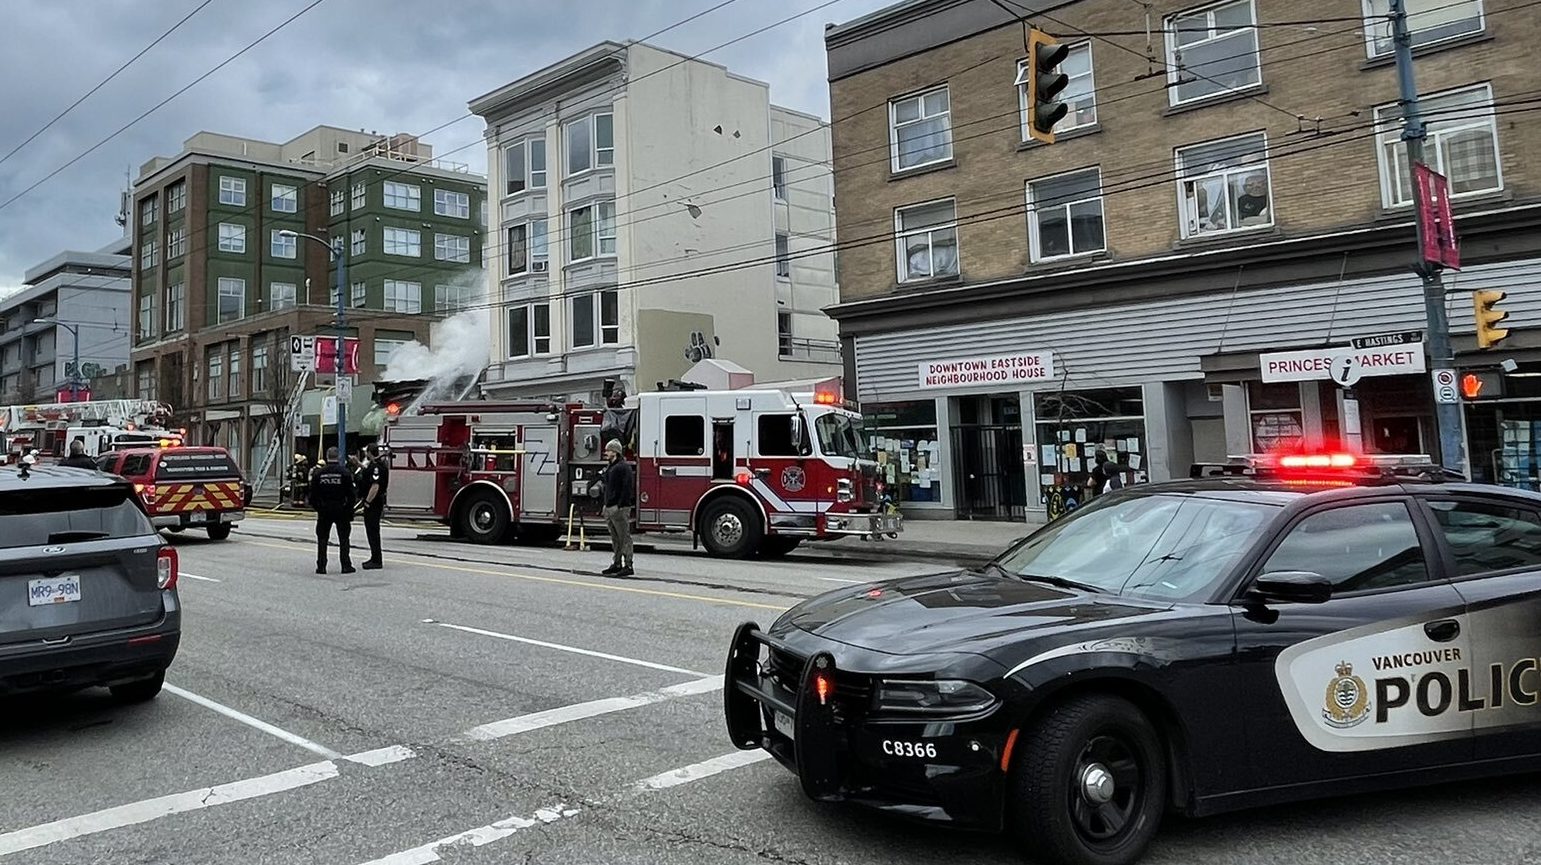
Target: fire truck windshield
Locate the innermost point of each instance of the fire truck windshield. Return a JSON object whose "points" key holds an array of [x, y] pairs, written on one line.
{"points": [[837, 435]]}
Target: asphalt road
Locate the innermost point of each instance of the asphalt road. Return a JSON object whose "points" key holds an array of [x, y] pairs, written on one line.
{"points": [[508, 705]]}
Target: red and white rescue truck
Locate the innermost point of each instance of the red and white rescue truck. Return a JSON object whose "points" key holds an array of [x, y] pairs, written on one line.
{"points": [[745, 472]]}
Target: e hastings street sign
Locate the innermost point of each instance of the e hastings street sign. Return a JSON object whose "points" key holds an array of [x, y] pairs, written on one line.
{"points": [[1406, 337]]}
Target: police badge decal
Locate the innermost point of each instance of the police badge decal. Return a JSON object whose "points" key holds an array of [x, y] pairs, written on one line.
{"points": [[1348, 700]]}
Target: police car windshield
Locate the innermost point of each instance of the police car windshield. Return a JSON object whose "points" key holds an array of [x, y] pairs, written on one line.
{"points": [[837, 435], [1168, 546]]}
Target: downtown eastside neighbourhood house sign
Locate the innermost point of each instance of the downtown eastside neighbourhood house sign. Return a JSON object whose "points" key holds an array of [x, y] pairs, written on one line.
{"points": [[997, 370], [1341, 363]]}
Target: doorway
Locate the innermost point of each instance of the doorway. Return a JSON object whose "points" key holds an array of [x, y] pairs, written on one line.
{"points": [[990, 479]]}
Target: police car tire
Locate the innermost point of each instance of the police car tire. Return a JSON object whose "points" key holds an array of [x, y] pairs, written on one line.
{"points": [[1039, 812], [219, 532], [142, 691]]}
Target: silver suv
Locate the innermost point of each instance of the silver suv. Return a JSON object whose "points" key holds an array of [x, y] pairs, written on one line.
{"points": [[88, 589]]}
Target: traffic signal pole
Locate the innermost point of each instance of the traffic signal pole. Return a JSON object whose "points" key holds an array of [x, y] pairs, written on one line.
{"points": [[1452, 445]]}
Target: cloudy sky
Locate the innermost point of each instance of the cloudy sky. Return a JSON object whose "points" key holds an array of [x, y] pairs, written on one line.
{"points": [[384, 65]]}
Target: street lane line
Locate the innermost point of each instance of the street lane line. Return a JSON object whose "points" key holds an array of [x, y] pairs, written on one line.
{"points": [[382, 756], [151, 809], [697, 771], [196, 577], [291, 738], [591, 709], [573, 649], [296, 546], [478, 837], [837, 580]]}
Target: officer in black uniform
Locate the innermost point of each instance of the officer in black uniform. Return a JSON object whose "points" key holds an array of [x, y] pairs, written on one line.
{"points": [[376, 482], [333, 496]]}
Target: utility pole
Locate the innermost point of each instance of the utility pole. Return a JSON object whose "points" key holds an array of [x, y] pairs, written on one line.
{"points": [[1452, 447], [342, 358]]}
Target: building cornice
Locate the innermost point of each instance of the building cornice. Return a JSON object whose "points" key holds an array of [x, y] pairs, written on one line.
{"points": [[586, 67]]}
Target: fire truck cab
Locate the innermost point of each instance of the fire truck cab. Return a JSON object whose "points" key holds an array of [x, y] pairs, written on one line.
{"points": [[745, 472]]}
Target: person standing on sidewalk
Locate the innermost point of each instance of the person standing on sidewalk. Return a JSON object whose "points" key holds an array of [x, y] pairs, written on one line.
{"points": [[620, 492], [332, 495], [376, 475]]}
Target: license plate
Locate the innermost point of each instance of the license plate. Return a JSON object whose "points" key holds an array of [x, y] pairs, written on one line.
{"points": [[783, 724], [53, 590]]}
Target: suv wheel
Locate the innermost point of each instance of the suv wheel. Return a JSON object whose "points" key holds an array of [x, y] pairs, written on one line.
{"points": [[1091, 786], [141, 691], [219, 532]]}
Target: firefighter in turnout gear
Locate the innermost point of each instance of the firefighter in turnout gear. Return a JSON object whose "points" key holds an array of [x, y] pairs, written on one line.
{"points": [[333, 496], [620, 492], [299, 481], [374, 482]]}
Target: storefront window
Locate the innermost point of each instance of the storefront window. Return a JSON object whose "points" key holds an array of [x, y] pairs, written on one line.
{"points": [[902, 437], [1277, 421], [1074, 427]]}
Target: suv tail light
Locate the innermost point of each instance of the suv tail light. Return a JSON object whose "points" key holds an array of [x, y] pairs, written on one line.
{"points": [[166, 567], [146, 492]]}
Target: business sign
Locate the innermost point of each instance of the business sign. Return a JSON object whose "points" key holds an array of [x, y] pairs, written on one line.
{"points": [[1440, 247], [1342, 364], [1003, 369], [329, 410], [326, 355]]}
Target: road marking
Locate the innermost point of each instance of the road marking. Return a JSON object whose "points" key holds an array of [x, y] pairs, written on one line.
{"points": [[151, 809], [382, 756], [659, 593], [291, 738], [575, 650], [837, 580], [591, 709], [478, 837], [703, 769], [196, 577]]}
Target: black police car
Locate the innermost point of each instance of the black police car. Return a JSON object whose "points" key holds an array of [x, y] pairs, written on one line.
{"points": [[1292, 628]]}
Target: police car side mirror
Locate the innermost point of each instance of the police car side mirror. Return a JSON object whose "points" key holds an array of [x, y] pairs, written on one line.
{"points": [[1300, 587]]}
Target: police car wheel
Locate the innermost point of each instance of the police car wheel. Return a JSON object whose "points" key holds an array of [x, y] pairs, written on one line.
{"points": [[219, 532], [731, 529], [484, 519], [1090, 787]]}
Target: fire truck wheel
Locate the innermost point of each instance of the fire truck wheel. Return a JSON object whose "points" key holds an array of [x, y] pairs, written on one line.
{"points": [[484, 519], [776, 546], [219, 532], [731, 529]]}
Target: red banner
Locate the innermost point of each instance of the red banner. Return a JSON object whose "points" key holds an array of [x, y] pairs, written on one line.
{"points": [[326, 355], [64, 395], [1440, 247]]}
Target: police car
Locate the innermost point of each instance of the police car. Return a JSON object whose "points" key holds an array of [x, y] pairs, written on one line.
{"points": [[1276, 629]]}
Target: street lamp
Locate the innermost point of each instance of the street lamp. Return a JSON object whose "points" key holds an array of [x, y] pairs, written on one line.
{"points": [[339, 252], [75, 372]]}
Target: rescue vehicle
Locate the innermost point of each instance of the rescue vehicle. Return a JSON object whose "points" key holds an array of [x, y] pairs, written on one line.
{"points": [[184, 487], [746, 472], [101, 425]]}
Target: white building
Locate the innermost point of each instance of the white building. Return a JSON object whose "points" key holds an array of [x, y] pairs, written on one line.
{"points": [[652, 211]]}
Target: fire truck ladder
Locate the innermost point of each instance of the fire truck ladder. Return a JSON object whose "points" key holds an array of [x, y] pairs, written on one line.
{"points": [[282, 434]]}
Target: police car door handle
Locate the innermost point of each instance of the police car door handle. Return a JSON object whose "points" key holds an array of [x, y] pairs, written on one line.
{"points": [[1443, 631]]}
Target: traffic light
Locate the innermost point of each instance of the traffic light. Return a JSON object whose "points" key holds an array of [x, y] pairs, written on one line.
{"points": [[1043, 83], [1484, 303]]}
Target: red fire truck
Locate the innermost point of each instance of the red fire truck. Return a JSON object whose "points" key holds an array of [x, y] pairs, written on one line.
{"points": [[746, 472]]}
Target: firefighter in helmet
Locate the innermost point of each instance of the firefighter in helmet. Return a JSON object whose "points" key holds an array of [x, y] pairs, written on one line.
{"points": [[299, 481]]}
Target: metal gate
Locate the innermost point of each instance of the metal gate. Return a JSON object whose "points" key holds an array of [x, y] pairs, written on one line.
{"points": [[991, 480]]}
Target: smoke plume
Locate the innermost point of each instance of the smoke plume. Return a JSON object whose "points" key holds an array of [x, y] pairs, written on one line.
{"points": [[461, 344]]}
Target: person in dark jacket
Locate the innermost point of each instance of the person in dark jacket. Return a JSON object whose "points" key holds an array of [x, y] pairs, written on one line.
{"points": [[333, 495], [77, 458], [620, 493], [375, 482]]}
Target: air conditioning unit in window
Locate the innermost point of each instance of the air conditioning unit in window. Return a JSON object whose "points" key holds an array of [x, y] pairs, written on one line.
{"points": [[538, 266]]}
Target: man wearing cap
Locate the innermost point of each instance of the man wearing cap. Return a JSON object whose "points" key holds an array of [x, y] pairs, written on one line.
{"points": [[620, 492]]}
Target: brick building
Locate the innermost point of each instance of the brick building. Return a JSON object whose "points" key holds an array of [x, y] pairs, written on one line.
{"points": [[1231, 188]]}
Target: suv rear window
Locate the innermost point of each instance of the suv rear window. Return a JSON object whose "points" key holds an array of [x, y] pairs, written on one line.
{"points": [[33, 518], [176, 466]]}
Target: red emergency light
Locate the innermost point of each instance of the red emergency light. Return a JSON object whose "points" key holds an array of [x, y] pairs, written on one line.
{"points": [[1318, 461], [824, 398], [393, 409]]}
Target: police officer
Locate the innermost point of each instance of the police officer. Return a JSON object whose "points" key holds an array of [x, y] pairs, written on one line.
{"points": [[332, 495], [376, 483]]}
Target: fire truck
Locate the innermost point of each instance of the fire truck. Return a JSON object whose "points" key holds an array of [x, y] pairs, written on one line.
{"points": [[752, 472], [102, 425]]}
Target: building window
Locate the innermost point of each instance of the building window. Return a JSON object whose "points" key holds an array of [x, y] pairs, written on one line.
{"points": [[360, 242], [386, 343], [590, 143], [360, 195], [920, 129], [1428, 21], [1065, 215], [1225, 185], [783, 256], [235, 374], [452, 298], [285, 245], [452, 204], [1212, 51], [232, 237], [1461, 143], [232, 191], [176, 242], [259, 369], [529, 330], [589, 330], [452, 247], [404, 297], [359, 294], [175, 316], [784, 334], [145, 380], [610, 317], [176, 196], [524, 166], [339, 200], [146, 316], [403, 241], [403, 196], [591, 231], [927, 240], [1277, 421], [147, 211], [149, 256], [282, 295], [518, 249], [286, 199], [779, 177], [232, 299], [216, 380], [1080, 94]]}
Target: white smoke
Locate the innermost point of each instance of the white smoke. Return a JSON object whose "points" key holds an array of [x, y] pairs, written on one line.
{"points": [[461, 345]]}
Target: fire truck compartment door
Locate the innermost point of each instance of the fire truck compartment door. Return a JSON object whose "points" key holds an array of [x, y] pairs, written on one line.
{"points": [[541, 475]]}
